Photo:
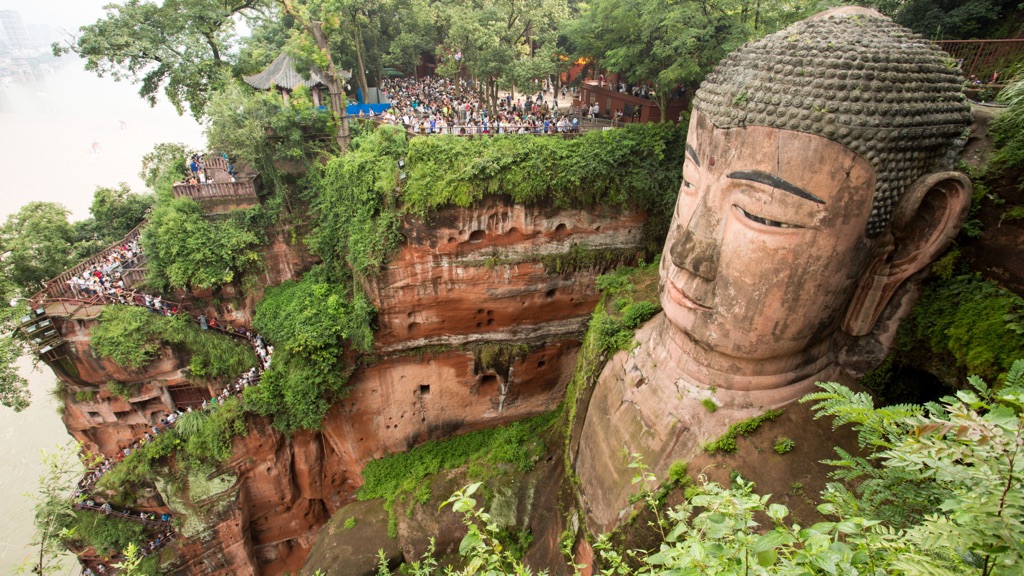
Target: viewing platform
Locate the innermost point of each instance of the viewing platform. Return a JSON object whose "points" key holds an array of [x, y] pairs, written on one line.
{"points": [[222, 191], [61, 287]]}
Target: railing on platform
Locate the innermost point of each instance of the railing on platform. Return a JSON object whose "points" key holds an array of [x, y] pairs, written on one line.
{"points": [[477, 131], [58, 287], [241, 188], [984, 61]]}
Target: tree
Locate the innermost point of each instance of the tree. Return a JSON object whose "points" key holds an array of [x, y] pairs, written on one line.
{"points": [[185, 250], [669, 44], [14, 391], [54, 507], [177, 46], [313, 16], [35, 243]]}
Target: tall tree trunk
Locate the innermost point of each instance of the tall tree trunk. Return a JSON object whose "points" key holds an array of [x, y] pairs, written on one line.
{"points": [[358, 37], [333, 86]]}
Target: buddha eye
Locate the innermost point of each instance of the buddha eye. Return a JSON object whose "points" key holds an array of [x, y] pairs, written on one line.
{"points": [[765, 221], [687, 184]]}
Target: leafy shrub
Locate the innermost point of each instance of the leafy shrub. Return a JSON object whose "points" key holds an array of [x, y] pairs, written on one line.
{"points": [[783, 445], [357, 220], [184, 249], [350, 523], [637, 313], [313, 316], [119, 389], [125, 334], [85, 395], [107, 534], [727, 442], [709, 404], [207, 435], [131, 335], [975, 323], [295, 392], [677, 473]]}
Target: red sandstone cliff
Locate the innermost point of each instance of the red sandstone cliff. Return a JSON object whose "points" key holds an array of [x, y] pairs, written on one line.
{"points": [[468, 276]]}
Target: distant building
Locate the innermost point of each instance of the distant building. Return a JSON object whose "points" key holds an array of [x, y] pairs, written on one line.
{"points": [[15, 33]]}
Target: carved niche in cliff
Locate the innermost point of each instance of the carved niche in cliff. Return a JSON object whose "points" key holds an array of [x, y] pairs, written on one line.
{"points": [[817, 180]]}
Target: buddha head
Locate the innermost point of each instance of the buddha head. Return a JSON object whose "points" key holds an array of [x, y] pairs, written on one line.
{"points": [[817, 179]]}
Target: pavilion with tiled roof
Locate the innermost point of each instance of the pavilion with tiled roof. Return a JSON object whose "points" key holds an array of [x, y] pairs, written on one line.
{"points": [[282, 75]]}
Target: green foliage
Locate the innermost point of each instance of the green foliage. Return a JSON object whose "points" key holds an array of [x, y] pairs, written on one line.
{"points": [[955, 19], [955, 461], [974, 323], [186, 250], [295, 392], [85, 395], [126, 334], [677, 473], [308, 322], [36, 243], [54, 508], [481, 547], [131, 335], [639, 165], [313, 316], [260, 131], [1012, 214], [207, 435], [517, 445], [176, 47], [636, 313], [357, 222], [350, 523], [727, 442], [119, 389], [1007, 129], [164, 165], [709, 404], [108, 535], [783, 445]]}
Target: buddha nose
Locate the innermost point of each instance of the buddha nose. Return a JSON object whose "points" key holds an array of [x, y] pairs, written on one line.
{"points": [[697, 248]]}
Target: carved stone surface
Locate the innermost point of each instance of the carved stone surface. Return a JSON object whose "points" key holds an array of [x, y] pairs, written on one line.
{"points": [[815, 184]]}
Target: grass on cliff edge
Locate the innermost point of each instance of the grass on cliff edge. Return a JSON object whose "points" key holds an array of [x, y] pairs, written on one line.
{"points": [[518, 445]]}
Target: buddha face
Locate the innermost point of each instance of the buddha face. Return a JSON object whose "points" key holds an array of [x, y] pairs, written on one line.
{"points": [[767, 241]]}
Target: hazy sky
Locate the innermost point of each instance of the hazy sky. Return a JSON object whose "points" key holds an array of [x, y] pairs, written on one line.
{"points": [[62, 14]]}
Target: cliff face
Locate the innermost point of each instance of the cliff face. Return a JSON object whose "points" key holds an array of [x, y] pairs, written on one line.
{"points": [[477, 286], [480, 273]]}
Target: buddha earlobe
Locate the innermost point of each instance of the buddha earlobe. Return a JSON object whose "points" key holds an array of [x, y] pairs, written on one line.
{"points": [[927, 219]]}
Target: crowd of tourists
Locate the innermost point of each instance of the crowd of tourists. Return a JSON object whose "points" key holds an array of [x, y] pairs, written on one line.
{"points": [[251, 377], [103, 277], [434, 105], [109, 510]]}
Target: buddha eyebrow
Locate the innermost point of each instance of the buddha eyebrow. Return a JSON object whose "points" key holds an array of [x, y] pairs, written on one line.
{"points": [[775, 182], [693, 155]]}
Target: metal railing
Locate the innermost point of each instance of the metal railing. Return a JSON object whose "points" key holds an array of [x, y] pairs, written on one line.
{"points": [[984, 61]]}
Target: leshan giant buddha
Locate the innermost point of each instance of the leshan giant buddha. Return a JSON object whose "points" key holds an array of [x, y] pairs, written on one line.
{"points": [[817, 180]]}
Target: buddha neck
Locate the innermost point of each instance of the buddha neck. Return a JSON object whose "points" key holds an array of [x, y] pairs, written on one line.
{"points": [[706, 368]]}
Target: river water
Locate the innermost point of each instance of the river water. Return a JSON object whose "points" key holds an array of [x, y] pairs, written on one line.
{"points": [[47, 130]]}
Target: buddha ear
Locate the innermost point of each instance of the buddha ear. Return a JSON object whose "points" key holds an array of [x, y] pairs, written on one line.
{"points": [[925, 222]]}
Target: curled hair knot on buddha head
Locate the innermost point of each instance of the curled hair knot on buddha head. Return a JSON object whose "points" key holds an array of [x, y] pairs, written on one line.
{"points": [[855, 77]]}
